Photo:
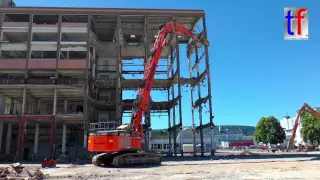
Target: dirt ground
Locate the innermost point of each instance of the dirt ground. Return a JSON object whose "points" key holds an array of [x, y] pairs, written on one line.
{"points": [[284, 168], [261, 165]]}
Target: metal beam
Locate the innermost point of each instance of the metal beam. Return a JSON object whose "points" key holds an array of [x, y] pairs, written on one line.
{"points": [[169, 115], [146, 39], [199, 79], [97, 11], [194, 25], [197, 62], [1, 33], [192, 112], [199, 105], [173, 113], [209, 84]]}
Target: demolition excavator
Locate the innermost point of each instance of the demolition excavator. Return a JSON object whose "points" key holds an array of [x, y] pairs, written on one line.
{"points": [[305, 107], [122, 146]]}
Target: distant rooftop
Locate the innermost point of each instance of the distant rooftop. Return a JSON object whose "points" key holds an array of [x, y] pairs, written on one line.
{"points": [[218, 130], [7, 3]]}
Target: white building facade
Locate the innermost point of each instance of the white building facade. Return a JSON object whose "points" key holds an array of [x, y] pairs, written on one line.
{"points": [[288, 122], [221, 134]]}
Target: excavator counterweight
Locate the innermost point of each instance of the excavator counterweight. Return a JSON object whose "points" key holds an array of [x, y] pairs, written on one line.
{"points": [[122, 146]]}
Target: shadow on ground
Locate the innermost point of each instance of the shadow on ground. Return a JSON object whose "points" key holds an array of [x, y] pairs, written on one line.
{"points": [[232, 157], [314, 157]]}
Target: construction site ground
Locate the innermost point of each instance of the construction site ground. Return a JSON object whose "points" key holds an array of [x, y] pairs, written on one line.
{"points": [[225, 165]]}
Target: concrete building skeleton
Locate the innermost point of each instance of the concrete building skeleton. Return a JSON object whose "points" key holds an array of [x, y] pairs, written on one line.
{"points": [[63, 68]]}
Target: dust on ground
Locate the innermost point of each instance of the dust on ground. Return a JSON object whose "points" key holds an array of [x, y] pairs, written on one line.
{"points": [[280, 168]]}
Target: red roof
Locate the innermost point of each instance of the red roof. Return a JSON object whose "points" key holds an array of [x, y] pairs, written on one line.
{"points": [[240, 143]]}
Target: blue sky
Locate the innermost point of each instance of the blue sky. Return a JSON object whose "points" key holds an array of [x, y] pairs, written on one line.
{"points": [[254, 72]]}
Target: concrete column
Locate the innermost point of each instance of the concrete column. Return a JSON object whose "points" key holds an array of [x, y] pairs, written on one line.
{"points": [[8, 142], [64, 138], [24, 100], [212, 143], [58, 46], [53, 123], [36, 142], [118, 76], [30, 33], [2, 104], [149, 140], [1, 33], [1, 133], [181, 141], [55, 97], [94, 61], [12, 106], [66, 106], [38, 106], [85, 140], [86, 88], [2, 111]]}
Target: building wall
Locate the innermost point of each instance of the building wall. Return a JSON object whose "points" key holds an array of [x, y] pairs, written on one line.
{"points": [[288, 124], [31, 45], [162, 144], [74, 143]]}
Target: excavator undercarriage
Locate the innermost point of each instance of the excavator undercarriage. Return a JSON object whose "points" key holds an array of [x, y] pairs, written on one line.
{"points": [[126, 158]]}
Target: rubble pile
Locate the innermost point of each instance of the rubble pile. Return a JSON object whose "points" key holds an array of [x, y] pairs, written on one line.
{"points": [[247, 153], [18, 172]]}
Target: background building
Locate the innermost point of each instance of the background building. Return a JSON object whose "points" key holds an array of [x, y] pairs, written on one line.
{"points": [[63, 68], [287, 123], [222, 136]]}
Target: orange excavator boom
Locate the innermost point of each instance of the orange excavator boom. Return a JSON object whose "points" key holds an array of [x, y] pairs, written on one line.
{"points": [[121, 146]]}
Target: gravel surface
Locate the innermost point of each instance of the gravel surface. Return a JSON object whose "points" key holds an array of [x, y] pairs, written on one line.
{"points": [[293, 168], [280, 166]]}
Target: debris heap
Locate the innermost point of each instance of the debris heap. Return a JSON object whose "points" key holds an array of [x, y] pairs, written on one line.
{"points": [[247, 153], [18, 172]]}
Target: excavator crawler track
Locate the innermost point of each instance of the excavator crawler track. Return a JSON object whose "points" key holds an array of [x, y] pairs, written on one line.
{"points": [[104, 159], [136, 159], [126, 159]]}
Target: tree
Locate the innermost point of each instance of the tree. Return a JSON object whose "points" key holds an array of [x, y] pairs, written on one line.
{"points": [[269, 130], [310, 130]]}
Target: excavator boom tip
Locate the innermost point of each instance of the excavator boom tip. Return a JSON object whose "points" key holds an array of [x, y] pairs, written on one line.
{"points": [[206, 42]]}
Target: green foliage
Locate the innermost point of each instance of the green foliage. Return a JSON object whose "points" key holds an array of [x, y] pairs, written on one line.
{"points": [[269, 130], [161, 131], [164, 132], [310, 130]]}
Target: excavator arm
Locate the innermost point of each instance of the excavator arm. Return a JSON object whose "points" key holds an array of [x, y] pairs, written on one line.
{"points": [[121, 146], [305, 107], [140, 104]]}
